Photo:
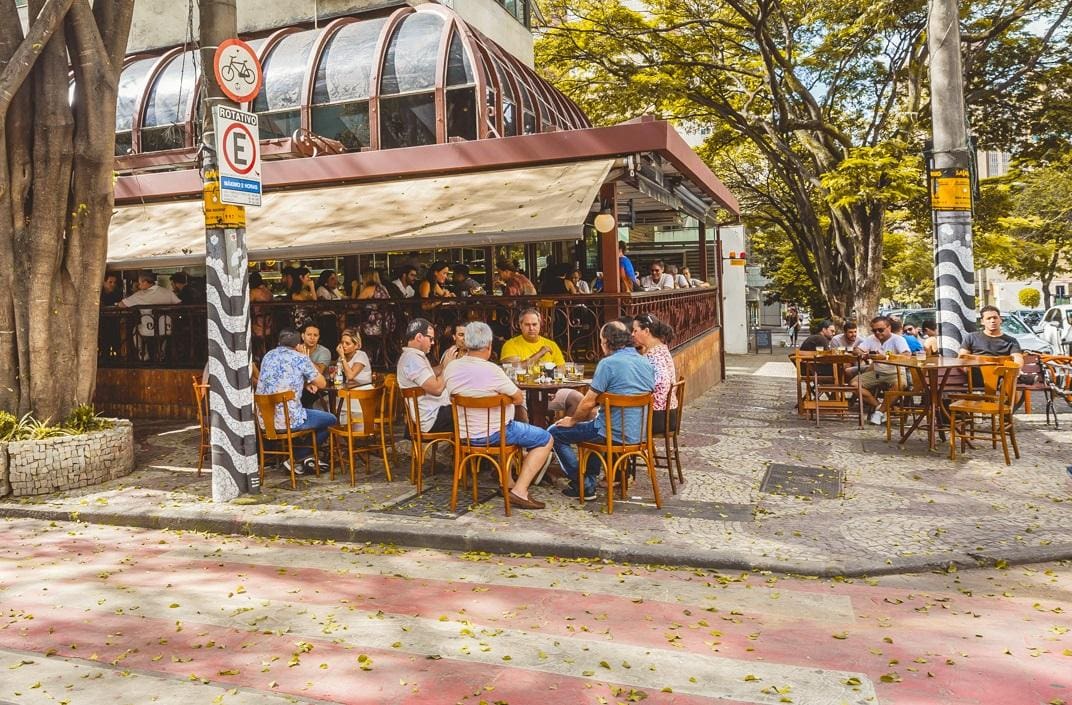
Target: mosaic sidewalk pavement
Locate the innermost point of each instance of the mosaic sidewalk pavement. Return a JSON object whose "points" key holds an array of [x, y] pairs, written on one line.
{"points": [[839, 500]]}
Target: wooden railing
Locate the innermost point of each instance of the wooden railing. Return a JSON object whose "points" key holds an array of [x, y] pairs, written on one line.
{"points": [[179, 332]]}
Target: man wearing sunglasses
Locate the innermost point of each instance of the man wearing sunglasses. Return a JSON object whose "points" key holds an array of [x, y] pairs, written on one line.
{"points": [[877, 346]]}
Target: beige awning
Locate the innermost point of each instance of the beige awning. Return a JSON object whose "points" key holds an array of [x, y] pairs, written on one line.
{"points": [[463, 210]]}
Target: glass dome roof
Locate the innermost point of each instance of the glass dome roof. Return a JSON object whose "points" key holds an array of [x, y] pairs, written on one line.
{"points": [[418, 76]]}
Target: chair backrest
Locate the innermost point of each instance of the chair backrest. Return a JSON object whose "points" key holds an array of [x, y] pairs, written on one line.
{"points": [[616, 407], [673, 416], [390, 397], [1057, 372], [266, 404], [371, 401], [412, 411], [200, 400], [465, 408], [1005, 381]]}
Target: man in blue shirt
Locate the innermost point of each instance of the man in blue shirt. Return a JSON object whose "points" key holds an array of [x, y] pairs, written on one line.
{"points": [[908, 332], [627, 266], [622, 371], [285, 369]]}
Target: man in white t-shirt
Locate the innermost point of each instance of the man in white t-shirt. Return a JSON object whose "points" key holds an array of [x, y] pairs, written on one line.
{"points": [[151, 328], [657, 279], [414, 370], [474, 376], [402, 285], [880, 343]]}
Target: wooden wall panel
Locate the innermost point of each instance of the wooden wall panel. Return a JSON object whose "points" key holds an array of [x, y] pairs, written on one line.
{"points": [[699, 362], [145, 393]]}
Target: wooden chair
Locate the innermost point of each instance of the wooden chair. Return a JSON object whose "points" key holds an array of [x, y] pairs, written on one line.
{"points": [[613, 456], [999, 407], [828, 393], [268, 433], [1032, 366], [422, 442], [669, 435], [906, 401], [468, 454], [390, 409], [370, 438], [1057, 373], [201, 402]]}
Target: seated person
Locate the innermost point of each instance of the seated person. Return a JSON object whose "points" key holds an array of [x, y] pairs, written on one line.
{"points": [[915, 345], [881, 342], [622, 371], [821, 341], [990, 341], [930, 337], [465, 285], [287, 369], [653, 337], [846, 340], [414, 370], [474, 376], [657, 279], [530, 347], [355, 366], [320, 356]]}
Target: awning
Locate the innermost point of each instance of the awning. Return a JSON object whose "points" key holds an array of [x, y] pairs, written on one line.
{"points": [[529, 204]]}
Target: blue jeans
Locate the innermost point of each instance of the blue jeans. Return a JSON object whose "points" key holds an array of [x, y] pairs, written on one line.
{"points": [[519, 434], [319, 420], [566, 438]]}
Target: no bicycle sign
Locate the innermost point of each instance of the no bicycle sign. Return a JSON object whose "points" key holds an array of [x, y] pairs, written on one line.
{"points": [[238, 150]]}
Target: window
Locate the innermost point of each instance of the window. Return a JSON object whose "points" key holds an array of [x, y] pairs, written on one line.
{"points": [[342, 86], [284, 74], [407, 121], [461, 113], [168, 104], [407, 105], [131, 86], [346, 122]]}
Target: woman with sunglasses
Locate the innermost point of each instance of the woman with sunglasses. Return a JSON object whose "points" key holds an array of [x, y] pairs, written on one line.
{"points": [[652, 337]]}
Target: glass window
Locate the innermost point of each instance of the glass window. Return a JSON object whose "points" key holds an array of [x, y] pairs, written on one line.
{"points": [[412, 54], [407, 121], [461, 113], [509, 107], [156, 139], [278, 125], [459, 70], [131, 86], [123, 144], [346, 122], [169, 99], [284, 72], [346, 64]]}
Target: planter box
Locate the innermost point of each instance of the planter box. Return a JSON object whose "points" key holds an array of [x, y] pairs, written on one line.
{"points": [[68, 462]]}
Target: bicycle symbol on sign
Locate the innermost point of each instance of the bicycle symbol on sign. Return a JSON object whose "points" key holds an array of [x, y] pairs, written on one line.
{"points": [[237, 68]]}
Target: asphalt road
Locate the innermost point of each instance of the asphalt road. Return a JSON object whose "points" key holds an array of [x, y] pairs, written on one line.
{"points": [[94, 614]]}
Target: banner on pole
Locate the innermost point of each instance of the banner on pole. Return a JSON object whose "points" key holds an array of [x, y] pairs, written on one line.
{"points": [[950, 190]]}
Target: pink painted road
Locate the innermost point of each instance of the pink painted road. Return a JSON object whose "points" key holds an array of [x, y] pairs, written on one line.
{"points": [[96, 614]]}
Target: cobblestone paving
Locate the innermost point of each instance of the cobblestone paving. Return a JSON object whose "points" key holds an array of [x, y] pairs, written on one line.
{"points": [[900, 506]]}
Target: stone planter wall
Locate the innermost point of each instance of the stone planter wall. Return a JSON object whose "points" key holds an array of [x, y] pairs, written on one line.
{"points": [[68, 462]]}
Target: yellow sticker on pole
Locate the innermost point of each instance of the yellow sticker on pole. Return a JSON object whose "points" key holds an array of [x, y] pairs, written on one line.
{"points": [[217, 213], [951, 190]]}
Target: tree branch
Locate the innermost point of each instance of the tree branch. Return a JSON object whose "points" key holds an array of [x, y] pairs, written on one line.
{"points": [[22, 61]]}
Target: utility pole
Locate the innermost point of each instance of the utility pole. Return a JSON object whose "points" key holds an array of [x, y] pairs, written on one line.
{"points": [[950, 181], [234, 442]]}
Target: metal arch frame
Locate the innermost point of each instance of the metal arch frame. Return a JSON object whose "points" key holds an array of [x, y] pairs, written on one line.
{"points": [[487, 67], [442, 59], [469, 45], [128, 61], [265, 53], [143, 95], [457, 30], [386, 33], [192, 112], [515, 87], [316, 55]]}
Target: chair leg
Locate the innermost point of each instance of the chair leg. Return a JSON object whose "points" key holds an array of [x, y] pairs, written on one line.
{"points": [[677, 460], [458, 469], [293, 474], [383, 448], [1004, 442], [669, 466], [952, 434], [331, 457], [504, 481], [1012, 437], [649, 459], [611, 471], [350, 458]]}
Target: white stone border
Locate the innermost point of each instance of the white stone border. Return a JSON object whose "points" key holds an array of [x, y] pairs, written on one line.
{"points": [[66, 462]]}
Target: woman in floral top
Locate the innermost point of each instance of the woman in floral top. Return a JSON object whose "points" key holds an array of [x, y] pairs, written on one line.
{"points": [[652, 336]]}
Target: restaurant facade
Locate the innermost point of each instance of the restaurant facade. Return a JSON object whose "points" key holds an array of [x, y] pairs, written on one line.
{"points": [[401, 134]]}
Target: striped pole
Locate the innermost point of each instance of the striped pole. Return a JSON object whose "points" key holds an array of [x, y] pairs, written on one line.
{"points": [[950, 181], [234, 441]]}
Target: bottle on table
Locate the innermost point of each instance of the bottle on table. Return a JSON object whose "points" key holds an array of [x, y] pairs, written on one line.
{"points": [[340, 377]]}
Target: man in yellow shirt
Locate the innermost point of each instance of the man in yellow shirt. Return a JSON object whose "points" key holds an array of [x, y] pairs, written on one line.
{"points": [[530, 347]]}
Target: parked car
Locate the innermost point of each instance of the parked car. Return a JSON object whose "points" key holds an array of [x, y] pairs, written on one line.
{"points": [[1031, 317], [1010, 324], [1056, 328]]}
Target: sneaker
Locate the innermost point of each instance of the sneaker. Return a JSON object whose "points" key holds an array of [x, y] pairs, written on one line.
{"points": [[299, 470], [877, 417], [310, 465], [571, 491]]}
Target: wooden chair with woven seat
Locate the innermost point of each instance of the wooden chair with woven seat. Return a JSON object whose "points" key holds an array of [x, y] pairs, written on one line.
{"points": [[422, 441], [357, 436], [267, 433], [998, 406], [672, 459], [201, 402], [615, 456], [469, 454]]}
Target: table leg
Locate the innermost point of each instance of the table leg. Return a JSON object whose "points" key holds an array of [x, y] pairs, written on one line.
{"points": [[537, 408]]}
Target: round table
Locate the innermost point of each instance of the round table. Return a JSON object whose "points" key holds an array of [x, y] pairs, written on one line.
{"points": [[539, 395]]}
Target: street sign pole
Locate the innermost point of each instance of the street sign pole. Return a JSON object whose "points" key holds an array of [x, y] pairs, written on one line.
{"points": [[233, 436], [950, 182]]}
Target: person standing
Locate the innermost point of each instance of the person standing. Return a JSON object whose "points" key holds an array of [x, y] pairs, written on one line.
{"points": [[626, 271], [792, 325]]}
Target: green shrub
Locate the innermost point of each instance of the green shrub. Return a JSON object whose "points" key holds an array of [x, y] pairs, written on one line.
{"points": [[82, 420]]}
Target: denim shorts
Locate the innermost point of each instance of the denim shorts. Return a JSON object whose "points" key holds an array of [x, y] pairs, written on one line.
{"points": [[519, 434]]}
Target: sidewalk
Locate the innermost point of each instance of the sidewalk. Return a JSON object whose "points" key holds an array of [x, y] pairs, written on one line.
{"points": [[896, 511]]}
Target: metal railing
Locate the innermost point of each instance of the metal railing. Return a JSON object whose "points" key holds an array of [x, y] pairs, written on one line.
{"points": [[174, 337]]}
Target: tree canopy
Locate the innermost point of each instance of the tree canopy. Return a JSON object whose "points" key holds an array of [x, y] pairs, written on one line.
{"points": [[813, 113]]}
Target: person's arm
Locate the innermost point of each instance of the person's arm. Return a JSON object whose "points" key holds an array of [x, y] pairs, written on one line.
{"points": [[314, 380], [425, 289], [556, 354], [535, 357]]}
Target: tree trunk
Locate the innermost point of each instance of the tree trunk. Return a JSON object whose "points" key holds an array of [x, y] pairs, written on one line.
{"points": [[56, 198]]}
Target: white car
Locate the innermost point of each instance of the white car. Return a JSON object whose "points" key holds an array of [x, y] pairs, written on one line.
{"points": [[1056, 328]]}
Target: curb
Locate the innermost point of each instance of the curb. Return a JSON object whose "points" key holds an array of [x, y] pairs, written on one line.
{"points": [[539, 544]]}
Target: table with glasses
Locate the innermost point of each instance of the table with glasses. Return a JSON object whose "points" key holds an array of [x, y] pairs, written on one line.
{"points": [[540, 386], [935, 372]]}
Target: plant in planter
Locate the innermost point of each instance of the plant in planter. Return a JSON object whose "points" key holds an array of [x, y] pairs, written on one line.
{"points": [[37, 457]]}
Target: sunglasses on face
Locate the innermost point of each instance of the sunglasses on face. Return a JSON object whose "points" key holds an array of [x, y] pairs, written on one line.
{"points": [[879, 330]]}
